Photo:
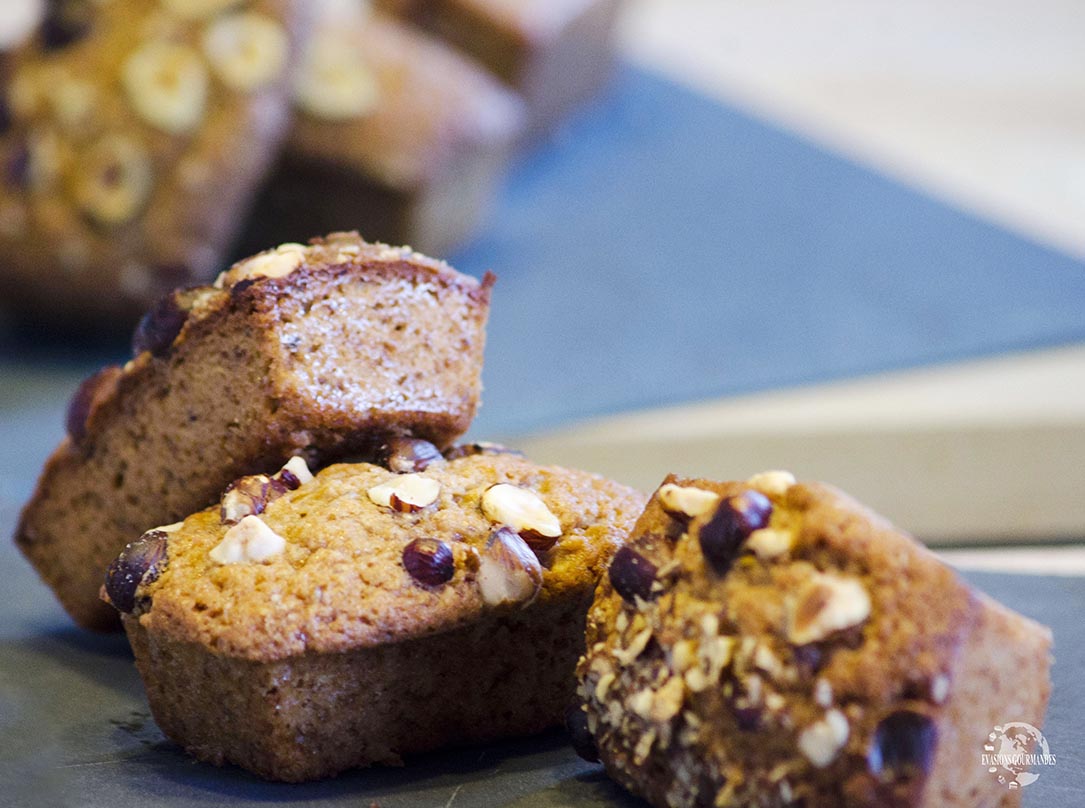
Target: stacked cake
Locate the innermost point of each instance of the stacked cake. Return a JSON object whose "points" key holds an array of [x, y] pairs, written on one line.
{"points": [[298, 615]]}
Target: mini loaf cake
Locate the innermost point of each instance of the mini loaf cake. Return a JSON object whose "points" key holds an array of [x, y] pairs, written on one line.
{"points": [[307, 626], [395, 134], [773, 643], [555, 53], [319, 350], [133, 134]]}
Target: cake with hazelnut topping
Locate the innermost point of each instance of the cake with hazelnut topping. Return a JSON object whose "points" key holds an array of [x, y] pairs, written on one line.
{"points": [[320, 351], [774, 643], [134, 134], [310, 625], [396, 134]]}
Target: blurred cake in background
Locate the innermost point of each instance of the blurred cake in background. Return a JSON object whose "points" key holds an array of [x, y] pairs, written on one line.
{"points": [[395, 134], [556, 53], [146, 143], [134, 134]]}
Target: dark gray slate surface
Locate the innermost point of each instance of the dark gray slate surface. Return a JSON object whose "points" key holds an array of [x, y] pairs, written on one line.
{"points": [[75, 731], [75, 728]]}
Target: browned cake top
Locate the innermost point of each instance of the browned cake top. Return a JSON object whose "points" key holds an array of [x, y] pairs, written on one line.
{"points": [[362, 555], [338, 249], [795, 627], [271, 283]]}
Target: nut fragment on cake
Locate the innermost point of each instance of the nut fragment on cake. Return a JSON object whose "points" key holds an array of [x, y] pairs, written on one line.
{"points": [[359, 633], [319, 351], [771, 642]]}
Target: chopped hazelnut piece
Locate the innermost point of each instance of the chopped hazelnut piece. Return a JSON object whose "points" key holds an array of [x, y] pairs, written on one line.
{"points": [[298, 468], [939, 688], [635, 648], [667, 702], [250, 540], [824, 605], [772, 483], [520, 509], [769, 543], [276, 263], [406, 493], [508, 570], [246, 496], [686, 500], [823, 693], [822, 741]]}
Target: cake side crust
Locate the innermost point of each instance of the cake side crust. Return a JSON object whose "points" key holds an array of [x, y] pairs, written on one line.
{"points": [[315, 715]]}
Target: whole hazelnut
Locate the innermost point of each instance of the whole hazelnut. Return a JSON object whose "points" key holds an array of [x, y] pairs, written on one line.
{"points": [[82, 401], [404, 455], [732, 523], [903, 746], [159, 327], [429, 561], [632, 575], [141, 561], [245, 496]]}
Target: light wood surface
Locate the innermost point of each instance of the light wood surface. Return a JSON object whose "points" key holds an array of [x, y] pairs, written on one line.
{"points": [[979, 103], [987, 451]]}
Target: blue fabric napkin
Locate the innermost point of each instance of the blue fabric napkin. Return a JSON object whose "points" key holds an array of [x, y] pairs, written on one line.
{"points": [[668, 249]]}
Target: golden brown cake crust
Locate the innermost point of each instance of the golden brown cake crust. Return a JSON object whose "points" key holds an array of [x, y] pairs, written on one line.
{"points": [[341, 583], [821, 656], [312, 716], [354, 342], [139, 129], [331, 653]]}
